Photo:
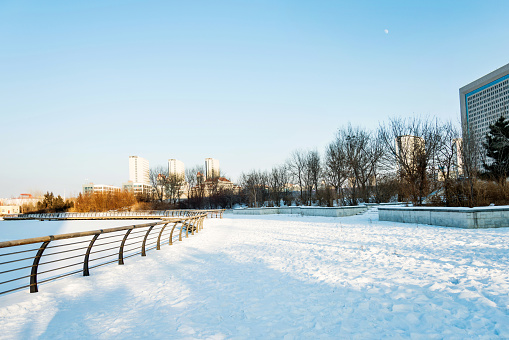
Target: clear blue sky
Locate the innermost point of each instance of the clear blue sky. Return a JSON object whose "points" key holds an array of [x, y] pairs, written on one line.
{"points": [[85, 84]]}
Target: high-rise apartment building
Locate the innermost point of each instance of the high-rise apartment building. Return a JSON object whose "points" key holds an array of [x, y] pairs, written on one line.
{"points": [[409, 148], [457, 161], [211, 168], [138, 170], [176, 167], [483, 101]]}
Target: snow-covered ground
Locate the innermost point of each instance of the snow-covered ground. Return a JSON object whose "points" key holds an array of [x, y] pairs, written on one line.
{"points": [[285, 277]]}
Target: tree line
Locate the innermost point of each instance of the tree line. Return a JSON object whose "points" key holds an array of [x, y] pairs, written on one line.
{"points": [[423, 161]]}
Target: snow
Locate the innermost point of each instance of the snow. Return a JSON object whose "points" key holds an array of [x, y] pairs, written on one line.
{"points": [[285, 277]]}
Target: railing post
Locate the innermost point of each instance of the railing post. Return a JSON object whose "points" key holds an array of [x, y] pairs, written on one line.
{"points": [[171, 233], [143, 253], [87, 255], [181, 228], [121, 250], [35, 266], [191, 224], [159, 237]]}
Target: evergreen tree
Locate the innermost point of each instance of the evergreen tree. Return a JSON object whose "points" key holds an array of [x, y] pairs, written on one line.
{"points": [[47, 202], [50, 203], [497, 149]]}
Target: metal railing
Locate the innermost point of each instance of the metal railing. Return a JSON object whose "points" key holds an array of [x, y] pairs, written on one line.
{"points": [[217, 213], [29, 262], [145, 214]]}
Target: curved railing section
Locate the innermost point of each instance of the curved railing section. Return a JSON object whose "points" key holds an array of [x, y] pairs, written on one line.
{"points": [[27, 263], [110, 215]]}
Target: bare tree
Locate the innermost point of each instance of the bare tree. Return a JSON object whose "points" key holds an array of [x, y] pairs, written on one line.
{"points": [[336, 168], [222, 193], [358, 153], [192, 178], [174, 185], [296, 165], [277, 180], [471, 156], [447, 161], [158, 178], [255, 186], [305, 169], [354, 156], [411, 145], [378, 172], [313, 173]]}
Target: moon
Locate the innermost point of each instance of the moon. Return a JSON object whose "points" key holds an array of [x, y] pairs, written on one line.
{"points": [[386, 31]]}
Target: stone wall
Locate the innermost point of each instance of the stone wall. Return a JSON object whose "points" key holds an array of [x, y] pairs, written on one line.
{"points": [[470, 218], [303, 211]]}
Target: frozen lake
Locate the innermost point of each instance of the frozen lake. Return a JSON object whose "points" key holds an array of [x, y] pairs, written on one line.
{"points": [[13, 230]]}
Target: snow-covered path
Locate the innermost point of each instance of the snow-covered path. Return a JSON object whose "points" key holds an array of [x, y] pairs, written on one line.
{"points": [[285, 277]]}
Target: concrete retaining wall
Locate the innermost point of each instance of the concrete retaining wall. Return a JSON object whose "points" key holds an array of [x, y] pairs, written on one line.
{"points": [[304, 211], [470, 218]]}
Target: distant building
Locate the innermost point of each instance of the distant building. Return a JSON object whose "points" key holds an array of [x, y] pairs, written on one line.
{"points": [[457, 167], [139, 189], [88, 188], [176, 167], [92, 188], [138, 170], [23, 199], [483, 101], [200, 178], [408, 148], [290, 187], [211, 168], [9, 209], [217, 184], [352, 181]]}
